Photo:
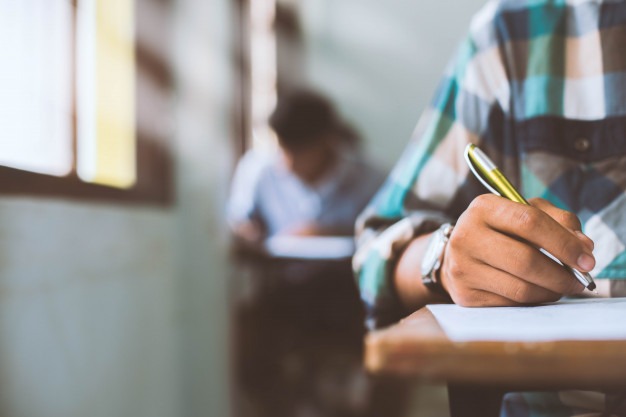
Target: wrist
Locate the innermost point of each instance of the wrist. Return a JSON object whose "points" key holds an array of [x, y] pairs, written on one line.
{"points": [[406, 279]]}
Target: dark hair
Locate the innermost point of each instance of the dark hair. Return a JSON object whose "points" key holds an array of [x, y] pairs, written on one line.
{"points": [[302, 118]]}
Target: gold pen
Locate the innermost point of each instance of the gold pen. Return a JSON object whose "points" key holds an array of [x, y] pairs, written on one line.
{"points": [[494, 180]]}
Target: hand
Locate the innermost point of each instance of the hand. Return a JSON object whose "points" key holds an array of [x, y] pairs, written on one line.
{"points": [[492, 258], [312, 229], [249, 232], [303, 230]]}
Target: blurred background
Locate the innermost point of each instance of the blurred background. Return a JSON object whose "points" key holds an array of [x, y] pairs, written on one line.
{"points": [[124, 292]]}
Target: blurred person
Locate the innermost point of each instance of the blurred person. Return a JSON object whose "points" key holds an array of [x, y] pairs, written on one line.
{"points": [[540, 87], [304, 314], [315, 185]]}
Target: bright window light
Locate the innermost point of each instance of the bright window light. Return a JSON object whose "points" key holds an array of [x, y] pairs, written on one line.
{"points": [[36, 85], [106, 92], [263, 70]]}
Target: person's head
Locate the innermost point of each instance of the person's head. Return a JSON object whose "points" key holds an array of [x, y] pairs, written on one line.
{"points": [[306, 125]]}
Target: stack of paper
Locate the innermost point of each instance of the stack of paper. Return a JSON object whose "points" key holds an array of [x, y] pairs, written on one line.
{"points": [[581, 319]]}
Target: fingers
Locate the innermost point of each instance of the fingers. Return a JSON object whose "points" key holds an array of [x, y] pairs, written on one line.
{"points": [[585, 239], [563, 217], [493, 256], [528, 264], [517, 290], [534, 226], [497, 288], [479, 298]]}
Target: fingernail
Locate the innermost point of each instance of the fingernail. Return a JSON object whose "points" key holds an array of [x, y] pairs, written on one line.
{"points": [[580, 235], [586, 262]]}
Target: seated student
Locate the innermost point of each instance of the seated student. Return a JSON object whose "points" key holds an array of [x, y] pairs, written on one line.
{"points": [[315, 185], [539, 86]]}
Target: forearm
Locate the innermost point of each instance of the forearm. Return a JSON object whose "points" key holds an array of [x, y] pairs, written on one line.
{"points": [[408, 278], [313, 229], [248, 231]]}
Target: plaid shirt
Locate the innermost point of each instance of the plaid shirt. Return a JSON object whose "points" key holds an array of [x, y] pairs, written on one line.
{"points": [[540, 86]]}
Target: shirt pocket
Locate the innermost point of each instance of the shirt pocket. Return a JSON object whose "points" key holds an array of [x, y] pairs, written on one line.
{"points": [[580, 166]]}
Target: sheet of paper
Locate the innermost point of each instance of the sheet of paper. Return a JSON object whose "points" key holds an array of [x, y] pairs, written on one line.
{"points": [[580, 319], [310, 247]]}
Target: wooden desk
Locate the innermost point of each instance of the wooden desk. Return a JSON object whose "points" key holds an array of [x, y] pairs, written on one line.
{"points": [[417, 346]]}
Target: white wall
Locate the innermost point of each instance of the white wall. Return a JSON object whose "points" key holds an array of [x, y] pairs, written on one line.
{"points": [[111, 310], [381, 60], [202, 54], [87, 323]]}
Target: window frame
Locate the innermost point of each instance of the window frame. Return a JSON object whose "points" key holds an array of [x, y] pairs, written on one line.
{"points": [[154, 185]]}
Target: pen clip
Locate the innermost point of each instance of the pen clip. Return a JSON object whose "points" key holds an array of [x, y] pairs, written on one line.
{"points": [[476, 173]]}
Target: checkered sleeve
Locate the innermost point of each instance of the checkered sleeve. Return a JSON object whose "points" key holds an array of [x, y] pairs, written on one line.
{"points": [[428, 186]]}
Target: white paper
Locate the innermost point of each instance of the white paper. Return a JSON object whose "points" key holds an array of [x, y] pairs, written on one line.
{"points": [[310, 247], [581, 319]]}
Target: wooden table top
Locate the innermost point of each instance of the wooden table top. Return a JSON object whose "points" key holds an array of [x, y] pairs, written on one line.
{"points": [[417, 346]]}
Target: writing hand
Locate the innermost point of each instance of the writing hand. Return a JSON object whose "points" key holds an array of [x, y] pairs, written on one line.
{"points": [[492, 258]]}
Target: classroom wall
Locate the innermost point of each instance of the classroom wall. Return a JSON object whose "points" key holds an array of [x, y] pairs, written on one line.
{"points": [[201, 50], [87, 318], [111, 310], [381, 60]]}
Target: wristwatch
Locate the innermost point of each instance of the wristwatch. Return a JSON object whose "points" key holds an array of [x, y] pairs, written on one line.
{"points": [[433, 257]]}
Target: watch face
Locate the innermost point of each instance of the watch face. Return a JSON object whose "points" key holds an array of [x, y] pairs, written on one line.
{"points": [[431, 256]]}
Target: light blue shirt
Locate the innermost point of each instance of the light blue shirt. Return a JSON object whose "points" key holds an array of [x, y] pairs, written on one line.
{"points": [[264, 190]]}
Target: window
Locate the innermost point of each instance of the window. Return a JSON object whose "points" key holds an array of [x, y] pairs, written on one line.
{"points": [[106, 92], [256, 86], [36, 85], [262, 70], [270, 51], [71, 100]]}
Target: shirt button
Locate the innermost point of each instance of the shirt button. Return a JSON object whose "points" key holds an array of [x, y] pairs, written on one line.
{"points": [[582, 144]]}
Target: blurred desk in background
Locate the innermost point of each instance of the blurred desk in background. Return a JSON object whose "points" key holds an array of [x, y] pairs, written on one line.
{"points": [[299, 328], [479, 373], [316, 248], [303, 282]]}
